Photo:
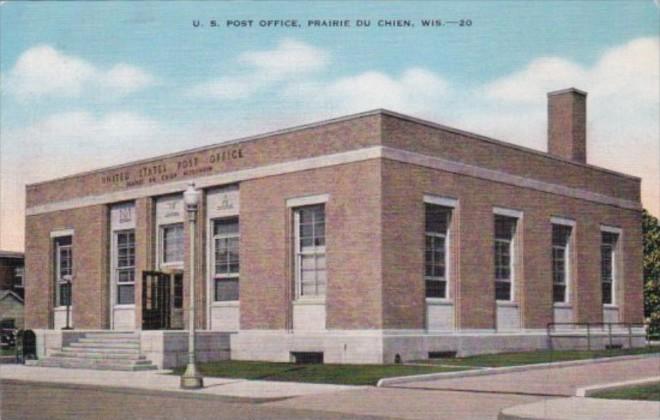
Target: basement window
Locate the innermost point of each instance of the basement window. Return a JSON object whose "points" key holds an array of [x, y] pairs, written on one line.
{"points": [[306, 357], [442, 354]]}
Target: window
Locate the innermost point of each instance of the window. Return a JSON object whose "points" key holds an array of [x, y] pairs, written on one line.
{"points": [[19, 275], [310, 250], [608, 265], [437, 226], [505, 228], [125, 267], [63, 270], [226, 258], [561, 236], [172, 250]]}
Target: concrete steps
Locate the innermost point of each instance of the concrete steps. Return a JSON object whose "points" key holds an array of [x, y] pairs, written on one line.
{"points": [[97, 355], [104, 343], [102, 351]]}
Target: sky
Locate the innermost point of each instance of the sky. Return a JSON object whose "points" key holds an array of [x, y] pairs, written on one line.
{"points": [[85, 85]]}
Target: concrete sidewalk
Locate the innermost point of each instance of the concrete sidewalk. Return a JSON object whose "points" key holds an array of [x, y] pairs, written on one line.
{"points": [[578, 408], [551, 381], [162, 382]]}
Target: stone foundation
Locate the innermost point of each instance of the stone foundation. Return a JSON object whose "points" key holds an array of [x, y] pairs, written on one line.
{"points": [[374, 347], [169, 349]]}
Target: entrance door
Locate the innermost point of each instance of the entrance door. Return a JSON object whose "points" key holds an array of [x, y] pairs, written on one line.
{"points": [[156, 300]]}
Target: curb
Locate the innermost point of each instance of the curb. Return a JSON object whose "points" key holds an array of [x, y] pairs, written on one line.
{"points": [[588, 391], [581, 408], [397, 380], [142, 391]]}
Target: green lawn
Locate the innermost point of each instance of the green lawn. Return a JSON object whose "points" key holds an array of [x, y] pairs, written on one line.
{"points": [[370, 374], [534, 357], [645, 392], [314, 373]]}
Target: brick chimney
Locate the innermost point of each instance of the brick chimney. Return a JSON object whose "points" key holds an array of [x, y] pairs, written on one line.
{"points": [[567, 124]]}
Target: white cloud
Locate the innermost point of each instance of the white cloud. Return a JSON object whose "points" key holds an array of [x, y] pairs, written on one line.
{"points": [[262, 69], [416, 90], [44, 71], [289, 58], [125, 79], [532, 83], [626, 71]]}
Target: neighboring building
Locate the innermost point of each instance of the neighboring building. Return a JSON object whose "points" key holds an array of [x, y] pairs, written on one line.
{"points": [[11, 310], [11, 289], [361, 238]]}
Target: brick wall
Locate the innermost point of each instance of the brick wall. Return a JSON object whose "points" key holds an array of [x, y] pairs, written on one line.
{"points": [[90, 266], [404, 187], [320, 140], [352, 246], [452, 145]]}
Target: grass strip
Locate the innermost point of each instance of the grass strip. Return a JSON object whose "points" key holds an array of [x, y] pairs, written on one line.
{"points": [[642, 393], [535, 357], [343, 374]]}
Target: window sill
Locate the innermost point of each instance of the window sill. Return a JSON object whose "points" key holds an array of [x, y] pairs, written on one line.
{"points": [[309, 301], [62, 308], [124, 306], [610, 306], [564, 305], [226, 304], [439, 301], [507, 304]]}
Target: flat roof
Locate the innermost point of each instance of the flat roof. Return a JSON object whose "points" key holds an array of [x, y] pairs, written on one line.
{"points": [[378, 111]]}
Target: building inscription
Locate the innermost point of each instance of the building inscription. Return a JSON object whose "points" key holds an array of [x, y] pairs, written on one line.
{"points": [[170, 171]]}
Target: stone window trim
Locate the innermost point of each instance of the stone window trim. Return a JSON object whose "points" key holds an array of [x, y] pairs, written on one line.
{"points": [[162, 245], [506, 247], [450, 204], [562, 263], [63, 266], [316, 252], [610, 264], [123, 266], [307, 200], [229, 273]]}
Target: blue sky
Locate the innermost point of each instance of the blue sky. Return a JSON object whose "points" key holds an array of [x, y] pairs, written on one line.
{"points": [[89, 84]]}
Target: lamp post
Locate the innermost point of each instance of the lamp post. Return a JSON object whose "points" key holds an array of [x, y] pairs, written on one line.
{"points": [[191, 378]]}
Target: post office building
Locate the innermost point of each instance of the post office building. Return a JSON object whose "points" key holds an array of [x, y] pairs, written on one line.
{"points": [[364, 239]]}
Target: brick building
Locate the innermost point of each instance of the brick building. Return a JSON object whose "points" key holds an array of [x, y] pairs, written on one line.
{"points": [[362, 238]]}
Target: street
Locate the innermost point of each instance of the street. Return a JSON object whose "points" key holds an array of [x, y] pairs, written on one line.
{"points": [[33, 402], [74, 394]]}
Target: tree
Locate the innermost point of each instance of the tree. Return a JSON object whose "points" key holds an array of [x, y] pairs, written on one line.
{"points": [[651, 231]]}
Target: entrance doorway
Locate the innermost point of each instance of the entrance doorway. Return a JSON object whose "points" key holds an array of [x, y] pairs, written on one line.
{"points": [[162, 300]]}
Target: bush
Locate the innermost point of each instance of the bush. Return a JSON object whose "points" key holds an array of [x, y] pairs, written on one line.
{"points": [[651, 230]]}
